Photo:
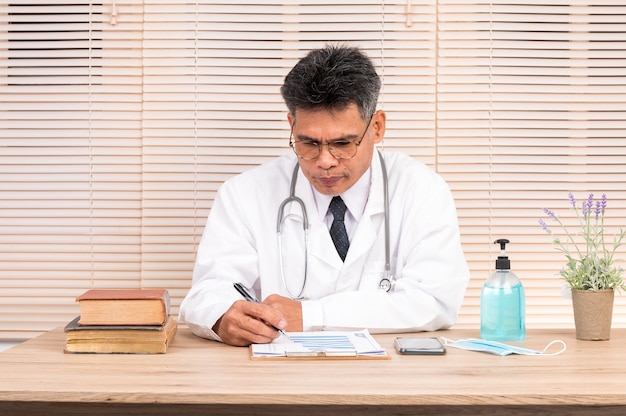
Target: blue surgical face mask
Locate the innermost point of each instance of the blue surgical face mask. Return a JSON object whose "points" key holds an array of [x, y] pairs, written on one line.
{"points": [[499, 348]]}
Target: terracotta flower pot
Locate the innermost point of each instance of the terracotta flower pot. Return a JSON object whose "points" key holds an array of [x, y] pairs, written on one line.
{"points": [[593, 314]]}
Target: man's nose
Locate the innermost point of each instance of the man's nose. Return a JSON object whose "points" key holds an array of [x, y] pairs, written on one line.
{"points": [[326, 158]]}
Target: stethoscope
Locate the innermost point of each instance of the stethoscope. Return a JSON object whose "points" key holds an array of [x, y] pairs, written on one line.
{"points": [[388, 281]]}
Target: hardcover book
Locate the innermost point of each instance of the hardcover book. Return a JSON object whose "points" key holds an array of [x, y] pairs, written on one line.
{"points": [[119, 339], [124, 307]]}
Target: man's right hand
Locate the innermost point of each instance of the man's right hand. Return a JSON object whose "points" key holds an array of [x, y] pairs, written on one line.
{"points": [[246, 323]]}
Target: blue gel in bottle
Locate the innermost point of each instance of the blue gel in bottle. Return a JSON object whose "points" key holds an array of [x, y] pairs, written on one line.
{"points": [[502, 303]]}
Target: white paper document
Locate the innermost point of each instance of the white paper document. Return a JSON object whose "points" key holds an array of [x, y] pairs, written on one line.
{"points": [[321, 344]]}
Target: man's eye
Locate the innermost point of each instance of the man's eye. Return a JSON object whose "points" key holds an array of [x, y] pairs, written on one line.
{"points": [[308, 143], [341, 144]]}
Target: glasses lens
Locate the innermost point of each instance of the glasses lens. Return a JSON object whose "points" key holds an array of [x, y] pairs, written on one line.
{"points": [[306, 149], [342, 149]]}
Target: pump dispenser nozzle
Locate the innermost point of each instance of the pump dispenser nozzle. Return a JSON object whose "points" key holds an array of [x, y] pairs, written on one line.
{"points": [[502, 262]]}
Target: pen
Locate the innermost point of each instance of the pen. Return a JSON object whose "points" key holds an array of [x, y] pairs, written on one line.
{"points": [[250, 298]]}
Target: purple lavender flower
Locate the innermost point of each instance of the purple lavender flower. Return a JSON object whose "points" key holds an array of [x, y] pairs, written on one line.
{"points": [[590, 201], [585, 205], [550, 214], [572, 200], [591, 256]]}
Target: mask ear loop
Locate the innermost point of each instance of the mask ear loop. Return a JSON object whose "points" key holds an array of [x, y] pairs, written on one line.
{"points": [[449, 342], [556, 341]]}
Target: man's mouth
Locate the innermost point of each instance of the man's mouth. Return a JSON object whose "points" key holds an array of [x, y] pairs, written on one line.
{"points": [[330, 181]]}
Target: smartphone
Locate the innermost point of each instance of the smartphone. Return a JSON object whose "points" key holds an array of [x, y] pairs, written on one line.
{"points": [[419, 346]]}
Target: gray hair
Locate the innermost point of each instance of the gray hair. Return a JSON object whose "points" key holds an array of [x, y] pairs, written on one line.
{"points": [[332, 78]]}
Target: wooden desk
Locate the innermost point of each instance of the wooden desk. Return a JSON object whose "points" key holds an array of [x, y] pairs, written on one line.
{"points": [[197, 376]]}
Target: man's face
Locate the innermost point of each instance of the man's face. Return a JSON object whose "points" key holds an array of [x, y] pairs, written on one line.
{"points": [[329, 175]]}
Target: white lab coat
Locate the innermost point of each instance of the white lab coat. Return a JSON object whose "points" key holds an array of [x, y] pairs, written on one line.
{"points": [[240, 244]]}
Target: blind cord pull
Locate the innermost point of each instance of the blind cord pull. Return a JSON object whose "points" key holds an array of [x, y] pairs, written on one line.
{"points": [[409, 13], [113, 20]]}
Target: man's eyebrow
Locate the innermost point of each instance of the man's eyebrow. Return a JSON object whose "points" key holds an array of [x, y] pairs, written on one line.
{"points": [[304, 137]]}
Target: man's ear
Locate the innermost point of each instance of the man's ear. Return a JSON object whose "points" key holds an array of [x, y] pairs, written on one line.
{"points": [[290, 119], [379, 123]]}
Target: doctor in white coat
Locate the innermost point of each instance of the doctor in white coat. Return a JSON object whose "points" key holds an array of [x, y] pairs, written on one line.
{"points": [[299, 276]]}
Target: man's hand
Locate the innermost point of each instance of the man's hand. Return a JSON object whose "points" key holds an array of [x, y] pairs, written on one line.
{"points": [[290, 309], [246, 323]]}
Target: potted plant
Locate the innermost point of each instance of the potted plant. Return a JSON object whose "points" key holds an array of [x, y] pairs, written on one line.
{"points": [[591, 271]]}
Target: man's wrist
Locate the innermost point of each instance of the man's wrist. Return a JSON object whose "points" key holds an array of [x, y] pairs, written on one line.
{"points": [[216, 326]]}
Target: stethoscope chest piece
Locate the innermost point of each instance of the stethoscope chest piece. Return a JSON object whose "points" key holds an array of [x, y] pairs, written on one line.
{"points": [[387, 283]]}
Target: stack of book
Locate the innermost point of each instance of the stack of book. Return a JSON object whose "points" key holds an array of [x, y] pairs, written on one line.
{"points": [[122, 321]]}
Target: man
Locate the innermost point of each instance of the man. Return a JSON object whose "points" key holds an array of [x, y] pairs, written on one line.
{"points": [[305, 279]]}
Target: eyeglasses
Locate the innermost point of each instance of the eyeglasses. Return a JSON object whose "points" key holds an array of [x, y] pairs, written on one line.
{"points": [[340, 149]]}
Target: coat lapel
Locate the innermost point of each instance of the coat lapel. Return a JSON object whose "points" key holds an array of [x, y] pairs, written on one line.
{"points": [[371, 223]]}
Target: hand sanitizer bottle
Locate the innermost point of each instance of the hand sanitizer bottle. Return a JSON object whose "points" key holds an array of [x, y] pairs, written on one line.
{"points": [[502, 303]]}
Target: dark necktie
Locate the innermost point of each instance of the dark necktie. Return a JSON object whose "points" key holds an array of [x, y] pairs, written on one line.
{"points": [[338, 228]]}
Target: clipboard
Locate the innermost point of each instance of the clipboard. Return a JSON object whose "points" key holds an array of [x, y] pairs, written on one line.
{"points": [[317, 355], [321, 345]]}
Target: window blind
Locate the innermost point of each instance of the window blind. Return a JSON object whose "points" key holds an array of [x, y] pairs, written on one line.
{"points": [[70, 157], [120, 121], [531, 106], [212, 104], [206, 106]]}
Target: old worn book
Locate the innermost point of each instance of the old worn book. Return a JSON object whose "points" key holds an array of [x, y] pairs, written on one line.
{"points": [[124, 307], [119, 339]]}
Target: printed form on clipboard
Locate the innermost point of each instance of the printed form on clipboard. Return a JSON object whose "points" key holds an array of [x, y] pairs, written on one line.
{"points": [[321, 344]]}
